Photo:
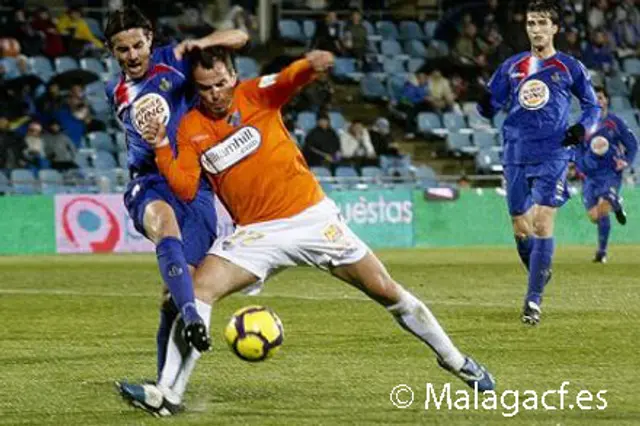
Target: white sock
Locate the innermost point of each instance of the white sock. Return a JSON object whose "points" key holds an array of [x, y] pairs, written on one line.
{"points": [[415, 317], [189, 363], [181, 359]]}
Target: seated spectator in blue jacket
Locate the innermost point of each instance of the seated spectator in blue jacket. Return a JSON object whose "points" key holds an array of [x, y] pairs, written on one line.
{"points": [[414, 99], [598, 55]]}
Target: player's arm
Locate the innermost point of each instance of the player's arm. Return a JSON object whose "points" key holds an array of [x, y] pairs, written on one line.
{"points": [[230, 39], [276, 89], [629, 141], [496, 93], [583, 90], [183, 171]]}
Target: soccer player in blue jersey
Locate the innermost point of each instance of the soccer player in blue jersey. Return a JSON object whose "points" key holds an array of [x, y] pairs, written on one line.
{"points": [[607, 151], [535, 88], [155, 85]]}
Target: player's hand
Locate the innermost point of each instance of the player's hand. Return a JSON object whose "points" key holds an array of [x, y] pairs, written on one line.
{"points": [[621, 164], [184, 47], [155, 133], [574, 135], [196, 335], [321, 60]]}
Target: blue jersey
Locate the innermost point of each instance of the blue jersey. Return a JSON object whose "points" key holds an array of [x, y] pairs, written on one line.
{"points": [[536, 93], [611, 140], [164, 92]]}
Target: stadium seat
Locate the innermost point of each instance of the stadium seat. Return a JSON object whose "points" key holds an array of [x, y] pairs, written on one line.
{"points": [[416, 49], [393, 66], [344, 69], [290, 30], [498, 119], [410, 30], [616, 86], [427, 121], [97, 88], [247, 67], [391, 48], [371, 172], [321, 172], [23, 182], [84, 158], [104, 160], [402, 162], [11, 69], [306, 120], [453, 121], [337, 120], [41, 66], [309, 28], [65, 63], [95, 27], [476, 121], [415, 64], [430, 29], [629, 117], [5, 185], [619, 104], [395, 86], [51, 182], [631, 66], [101, 141], [387, 30], [437, 48], [121, 141], [426, 177], [113, 67], [484, 140], [93, 65], [346, 172], [488, 161], [122, 159], [458, 143], [372, 89]]}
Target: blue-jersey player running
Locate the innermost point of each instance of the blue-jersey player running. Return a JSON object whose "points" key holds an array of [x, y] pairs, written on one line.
{"points": [[155, 84], [607, 151], [536, 88]]}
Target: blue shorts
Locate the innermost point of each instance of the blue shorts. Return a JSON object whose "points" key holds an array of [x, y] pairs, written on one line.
{"points": [[543, 184], [197, 219], [598, 187]]}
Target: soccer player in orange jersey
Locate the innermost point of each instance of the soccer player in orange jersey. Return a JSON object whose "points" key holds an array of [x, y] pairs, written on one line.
{"points": [[237, 139]]}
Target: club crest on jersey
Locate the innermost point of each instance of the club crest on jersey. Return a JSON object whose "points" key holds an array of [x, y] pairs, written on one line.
{"points": [[599, 145], [165, 85], [534, 94], [555, 77], [234, 148], [148, 108]]}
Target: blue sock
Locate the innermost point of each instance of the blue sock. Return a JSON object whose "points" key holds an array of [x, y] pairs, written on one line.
{"points": [[540, 267], [175, 273], [168, 314], [604, 227], [524, 245]]}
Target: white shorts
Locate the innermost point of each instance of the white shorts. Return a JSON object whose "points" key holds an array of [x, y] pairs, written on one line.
{"points": [[315, 237]]}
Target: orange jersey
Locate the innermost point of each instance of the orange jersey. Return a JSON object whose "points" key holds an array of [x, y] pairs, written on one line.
{"points": [[251, 160]]}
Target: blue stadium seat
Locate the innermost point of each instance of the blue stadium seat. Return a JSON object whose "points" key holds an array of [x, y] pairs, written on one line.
{"points": [[93, 65], [476, 121], [23, 181], [51, 182], [459, 143], [484, 140], [104, 160], [372, 88], [306, 120], [97, 88], [121, 141], [84, 159], [498, 119], [616, 86], [393, 66], [113, 67], [11, 69], [427, 121], [122, 159], [387, 30], [5, 185], [100, 107], [631, 66], [337, 120], [388, 163], [65, 63], [438, 48], [453, 121], [430, 29], [415, 64], [395, 85], [410, 30], [426, 177], [629, 117], [488, 161], [344, 69], [321, 172], [247, 67], [371, 172], [416, 49], [95, 27], [346, 172], [41, 66], [619, 103], [391, 48], [309, 28], [290, 31], [101, 141]]}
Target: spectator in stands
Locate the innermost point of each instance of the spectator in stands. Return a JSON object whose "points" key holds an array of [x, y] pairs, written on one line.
{"points": [[20, 28], [355, 38], [50, 102], [598, 55], [627, 37], [414, 99], [34, 152], [469, 48], [191, 22], [78, 35], [599, 15], [355, 145], [327, 36], [381, 138], [316, 96], [12, 147], [441, 96], [496, 50], [627, 10], [516, 35], [59, 148], [53, 43], [322, 145], [569, 42]]}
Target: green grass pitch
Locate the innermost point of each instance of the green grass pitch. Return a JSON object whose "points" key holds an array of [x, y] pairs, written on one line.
{"points": [[71, 325]]}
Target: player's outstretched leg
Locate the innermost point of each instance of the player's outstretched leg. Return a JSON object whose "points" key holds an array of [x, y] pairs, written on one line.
{"points": [[370, 276], [599, 215], [168, 313], [523, 235]]}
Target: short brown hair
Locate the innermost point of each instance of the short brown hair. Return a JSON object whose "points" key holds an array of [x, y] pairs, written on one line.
{"points": [[206, 58], [125, 19]]}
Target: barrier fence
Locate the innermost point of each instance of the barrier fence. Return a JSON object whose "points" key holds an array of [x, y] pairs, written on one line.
{"points": [[382, 218]]}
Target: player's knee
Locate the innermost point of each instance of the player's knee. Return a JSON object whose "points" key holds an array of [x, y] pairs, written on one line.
{"points": [[160, 221], [542, 226], [521, 228]]}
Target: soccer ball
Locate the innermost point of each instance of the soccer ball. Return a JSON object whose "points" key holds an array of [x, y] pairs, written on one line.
{"points": [[254, 333]]}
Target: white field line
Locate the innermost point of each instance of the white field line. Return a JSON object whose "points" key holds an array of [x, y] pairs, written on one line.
{"points": [[65, 292]]}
